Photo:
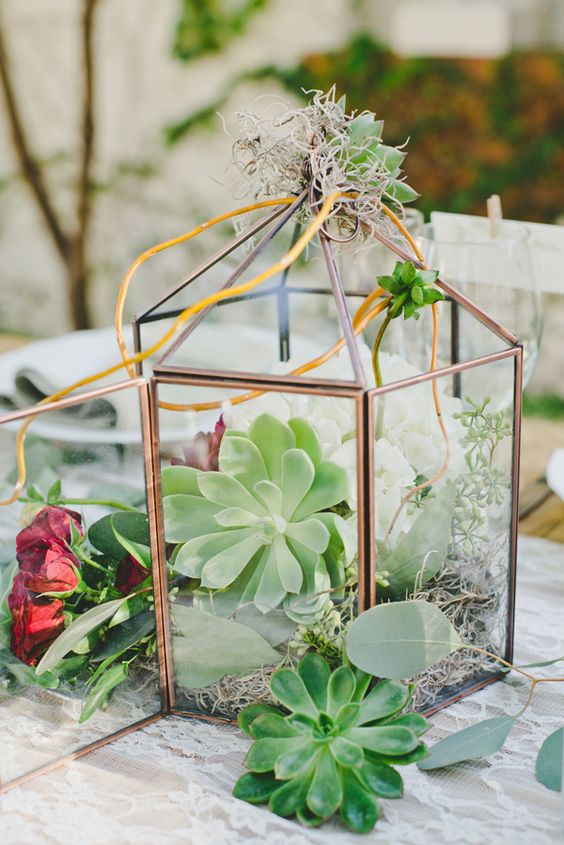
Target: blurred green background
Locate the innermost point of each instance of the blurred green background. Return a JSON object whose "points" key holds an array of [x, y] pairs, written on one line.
{"points": [[110, 138]]}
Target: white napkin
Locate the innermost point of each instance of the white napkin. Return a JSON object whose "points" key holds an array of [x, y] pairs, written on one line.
{"points": [[555, 472]]}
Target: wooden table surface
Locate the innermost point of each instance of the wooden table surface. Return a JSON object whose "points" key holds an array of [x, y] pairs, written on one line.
{"points": [[543, 511]]}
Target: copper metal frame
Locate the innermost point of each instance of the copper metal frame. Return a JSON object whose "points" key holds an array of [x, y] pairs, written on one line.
{"points": [[141, 386]]}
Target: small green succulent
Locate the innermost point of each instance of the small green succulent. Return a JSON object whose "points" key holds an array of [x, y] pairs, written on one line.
{"points": [[411, 289], [367, 150], [260, 526], [336, 748]]}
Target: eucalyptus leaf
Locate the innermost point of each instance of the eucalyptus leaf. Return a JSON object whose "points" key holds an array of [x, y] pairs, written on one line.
{"points": [[210, 648], [420, 554], [77, 631], [548, 768], [480, 740], [401, 639]]}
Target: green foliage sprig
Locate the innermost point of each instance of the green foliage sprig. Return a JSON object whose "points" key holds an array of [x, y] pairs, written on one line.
{"points": [[334, 747], [411, 289], [485, 484]]}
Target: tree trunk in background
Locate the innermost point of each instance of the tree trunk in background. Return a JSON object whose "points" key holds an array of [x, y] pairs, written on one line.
{"points": [[77, 284], [70, 243]]}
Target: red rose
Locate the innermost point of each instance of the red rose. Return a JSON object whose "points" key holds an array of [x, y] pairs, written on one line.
{"points": [[52, 524], [130, 573], [54, 574], [204, 452], [42, 554], [36, 622]]}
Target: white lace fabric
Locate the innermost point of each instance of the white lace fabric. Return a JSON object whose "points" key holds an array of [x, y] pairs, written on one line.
{"points": [[171, 782]]}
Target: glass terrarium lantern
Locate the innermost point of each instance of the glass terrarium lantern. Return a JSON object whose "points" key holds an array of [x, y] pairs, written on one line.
{"points": [[297, 455], [303, 493]]}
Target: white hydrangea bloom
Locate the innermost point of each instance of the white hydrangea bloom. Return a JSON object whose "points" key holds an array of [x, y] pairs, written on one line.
{"points": [[411, 444]]}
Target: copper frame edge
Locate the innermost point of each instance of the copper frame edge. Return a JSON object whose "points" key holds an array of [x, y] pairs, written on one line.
{"points": [[284, 216], [68, 401], [458, 297], [458, 696], [517, 418], [210, 378], [218, 256], [444, 372], [165, 649], [80, 752], [160, 593], [341, 302]]}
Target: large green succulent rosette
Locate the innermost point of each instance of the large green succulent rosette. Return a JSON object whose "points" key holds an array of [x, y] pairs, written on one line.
{"points": [[261, 529]]}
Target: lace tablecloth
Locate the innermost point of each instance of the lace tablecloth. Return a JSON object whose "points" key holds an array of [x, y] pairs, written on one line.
{"points": [[170, 783]]}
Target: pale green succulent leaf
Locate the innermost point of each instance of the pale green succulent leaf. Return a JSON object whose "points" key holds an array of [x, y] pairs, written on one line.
{"points": [[306, 439], [273, 438], [401, 192], [240, 459], [270, 590], [187, 517], [311, 533], [298, 474], [220, 570], [270, 495], [224, 490], [236, 518], [330, 486], [288, 566], [179, 479], [194, 554]]}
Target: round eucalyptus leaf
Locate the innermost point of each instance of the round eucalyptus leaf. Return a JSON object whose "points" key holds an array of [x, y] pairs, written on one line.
{"points": [[400, 639]]}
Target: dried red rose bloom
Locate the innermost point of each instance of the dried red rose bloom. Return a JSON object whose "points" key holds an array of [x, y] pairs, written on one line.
{"points": [[54, 574], [36, 622], [204, 452], [130, 573], [52, 524]]}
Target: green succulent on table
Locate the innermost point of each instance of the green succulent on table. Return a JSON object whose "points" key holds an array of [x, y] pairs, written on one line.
{"points": [[335, 751], [260, 528], [411, 289]]}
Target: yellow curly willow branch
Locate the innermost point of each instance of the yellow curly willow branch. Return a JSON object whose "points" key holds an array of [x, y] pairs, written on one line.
{"points": [[362, 318]]}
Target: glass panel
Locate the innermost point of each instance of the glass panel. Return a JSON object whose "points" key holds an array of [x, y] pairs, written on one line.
{"points": [[442, 530], [275, 327], [77, 624], [259, 506]]}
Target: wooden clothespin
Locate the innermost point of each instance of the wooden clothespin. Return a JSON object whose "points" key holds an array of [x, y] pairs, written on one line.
{"points": [[495, 214]]}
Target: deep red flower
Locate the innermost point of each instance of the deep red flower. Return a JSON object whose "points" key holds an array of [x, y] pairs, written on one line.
{"points": [[36, 622], [51, 525], [130, 573], [204, 452], [54, 574]]}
